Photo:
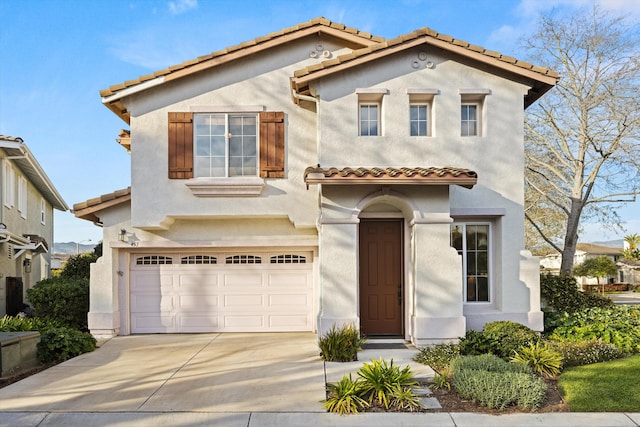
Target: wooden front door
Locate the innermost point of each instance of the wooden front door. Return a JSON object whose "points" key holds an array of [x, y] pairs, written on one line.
{"points": [[381, 290]]}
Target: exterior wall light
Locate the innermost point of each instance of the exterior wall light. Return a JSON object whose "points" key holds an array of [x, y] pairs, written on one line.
{"points": [[27, 265], [123, 235]]}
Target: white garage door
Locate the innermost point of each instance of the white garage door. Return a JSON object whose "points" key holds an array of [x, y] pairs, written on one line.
{"points": [[221, 292]]}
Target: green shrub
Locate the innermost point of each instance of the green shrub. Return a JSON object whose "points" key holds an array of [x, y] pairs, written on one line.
{"points": [[380, 381], [579, 353], [437, 356], [66, 300], [341, 344], [493, 382], [499, 390], [542, 359], [404, 399], [78, 266], [561, 294], [475, 343], [507, 337], [344, 397], [59, 344], [486, 362], [618, 325], [25, 324]]}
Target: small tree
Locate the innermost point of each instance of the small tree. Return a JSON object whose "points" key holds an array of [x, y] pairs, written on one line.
{"points": [[632, 247], [596, 267]]}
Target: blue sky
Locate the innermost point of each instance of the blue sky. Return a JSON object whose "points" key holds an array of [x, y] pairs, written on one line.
{"points": [[55, 56]]}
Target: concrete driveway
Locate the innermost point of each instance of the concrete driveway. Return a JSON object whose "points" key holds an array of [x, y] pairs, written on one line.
{"points": [[231, 372]]}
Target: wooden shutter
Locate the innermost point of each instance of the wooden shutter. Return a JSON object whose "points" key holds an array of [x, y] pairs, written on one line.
{"points": [[272, 144], [180, 145]]}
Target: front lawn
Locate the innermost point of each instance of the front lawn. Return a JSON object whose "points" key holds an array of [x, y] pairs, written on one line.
{"points": [[603, 387]]}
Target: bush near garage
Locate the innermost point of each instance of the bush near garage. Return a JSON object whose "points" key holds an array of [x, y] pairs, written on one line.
{"points": [[65, 300], [502, 338]]}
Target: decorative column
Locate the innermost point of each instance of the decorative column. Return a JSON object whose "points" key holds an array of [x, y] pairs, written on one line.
{"points": [[338, 253], [438, 300]]}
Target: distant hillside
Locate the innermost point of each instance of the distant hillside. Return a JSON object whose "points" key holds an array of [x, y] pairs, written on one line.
{"points": [[619, 244], [70, 248]]}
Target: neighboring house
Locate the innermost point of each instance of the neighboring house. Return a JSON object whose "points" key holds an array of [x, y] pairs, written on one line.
{"points": [[320, 176], [551, 263], [26, 223]]}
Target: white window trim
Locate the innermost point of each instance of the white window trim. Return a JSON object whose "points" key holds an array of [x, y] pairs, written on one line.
{"points": [[226, 115], [477, 97], [43, 212], [379, 126], [9, 184], [371, 96], [22, 196], [490, 276], [422, 96]]}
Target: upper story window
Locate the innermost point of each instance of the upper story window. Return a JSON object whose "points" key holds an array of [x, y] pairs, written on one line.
{"points": [[43, 212], [22, 197], [471, 240], [420, 111], [472, 111], [226, 145], [216, 144], [469, 123], [370, 111], [9, 184]]}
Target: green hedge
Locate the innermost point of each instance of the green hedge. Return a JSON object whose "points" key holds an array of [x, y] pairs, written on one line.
{"points": [[66, 300], [562, 294]]}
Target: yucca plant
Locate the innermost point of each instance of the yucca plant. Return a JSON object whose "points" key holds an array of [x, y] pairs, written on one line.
{"points": [[379, 381], [542, 359], [404, 399], [341, 344], [344, 397]]}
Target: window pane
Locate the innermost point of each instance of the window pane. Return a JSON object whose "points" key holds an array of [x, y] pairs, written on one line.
{"points": [[414, 112], [203, 165], [249, 146], [218, 146], [235, 166], [203, 146], [235, 146], [217, 167], [483, 289], [471, 289], [368, 120]]}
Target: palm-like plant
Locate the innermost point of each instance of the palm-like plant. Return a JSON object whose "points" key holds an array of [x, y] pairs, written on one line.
{"points": [[632, 247], [380, 381], [344, 397]]}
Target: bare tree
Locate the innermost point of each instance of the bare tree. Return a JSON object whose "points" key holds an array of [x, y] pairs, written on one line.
{"points": [[583, 146]]}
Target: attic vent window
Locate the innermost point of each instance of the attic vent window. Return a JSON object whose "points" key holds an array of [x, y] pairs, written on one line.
{"points": [[288, 259], [154, 260], [243, 259], [198, 259]]}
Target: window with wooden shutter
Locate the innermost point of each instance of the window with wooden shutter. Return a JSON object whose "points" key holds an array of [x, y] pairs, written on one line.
{"points": [[272, 144], [180, 145]]}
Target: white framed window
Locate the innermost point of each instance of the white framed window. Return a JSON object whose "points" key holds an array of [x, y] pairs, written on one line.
{"points": [[9, 185], [469, 120], [421, 111], [22, 197], [472, 241], [369, 119], [472, 111], [370, 111], [43, 212], [226, 145]]}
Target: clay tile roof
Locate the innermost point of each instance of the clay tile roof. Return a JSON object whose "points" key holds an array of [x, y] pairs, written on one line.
{"points": [[87, 210], [404, 175], [426, 35], [364, 38]]}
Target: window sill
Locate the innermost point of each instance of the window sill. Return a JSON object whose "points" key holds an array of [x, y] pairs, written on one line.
{"points": [[224, 187]]}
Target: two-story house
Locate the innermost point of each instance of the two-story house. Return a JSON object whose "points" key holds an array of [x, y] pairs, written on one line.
{"points": [[26, 223], [320, 176]]}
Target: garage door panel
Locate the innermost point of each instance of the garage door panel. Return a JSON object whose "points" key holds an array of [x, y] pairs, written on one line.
{"points": [[243, 301], [301, 322], [198, 283], [204, 303], [204, 323], [154, 323], [200, 297], [289, 300], [294, 279], [240, 322], [240, 280]]}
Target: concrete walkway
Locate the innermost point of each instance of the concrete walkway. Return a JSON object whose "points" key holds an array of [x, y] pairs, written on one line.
{"points": [[234, 380]]}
